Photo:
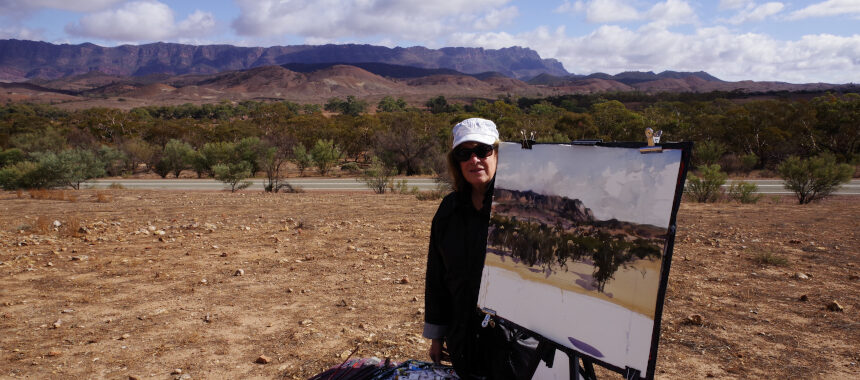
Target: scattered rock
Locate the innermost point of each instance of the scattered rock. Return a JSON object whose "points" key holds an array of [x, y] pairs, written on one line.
{"points": [[239, 272], [695, 320], [404, 280], [415, 299], [80, 258], [57, 324], [306, 322], [49, 264], [835, 306], [223, 254], [803, 298], [853, 277], [203, 281], [290, 290], [184, 376], [263, 359], [207, 318], [125, 336], [133, 377], [53, 353], [801, 276], [67, 311], [177, 371]]}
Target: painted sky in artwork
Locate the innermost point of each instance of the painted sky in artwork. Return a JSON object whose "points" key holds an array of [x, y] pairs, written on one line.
{"points": [[615, 183]]}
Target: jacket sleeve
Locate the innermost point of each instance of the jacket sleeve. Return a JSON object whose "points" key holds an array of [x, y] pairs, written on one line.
{"points": [[437, 299]]}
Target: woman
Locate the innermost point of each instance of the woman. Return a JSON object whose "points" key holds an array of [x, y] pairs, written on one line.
{"points": [[455, 260]]}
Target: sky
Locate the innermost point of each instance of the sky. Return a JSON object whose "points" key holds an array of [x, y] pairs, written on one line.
{"points": [[789, 41], [613, 182]]}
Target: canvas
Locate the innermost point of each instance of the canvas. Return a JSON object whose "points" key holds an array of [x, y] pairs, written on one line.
{"points": [[576, 244]]}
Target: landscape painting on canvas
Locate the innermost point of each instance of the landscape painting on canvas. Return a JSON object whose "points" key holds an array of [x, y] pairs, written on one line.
{"points": [[576, 243]]}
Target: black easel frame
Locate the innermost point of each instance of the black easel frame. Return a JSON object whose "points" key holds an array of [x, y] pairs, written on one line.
{"points": [[586, 370]]}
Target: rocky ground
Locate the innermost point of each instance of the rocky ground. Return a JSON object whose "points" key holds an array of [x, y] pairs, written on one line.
{"points": [[154, 284]]}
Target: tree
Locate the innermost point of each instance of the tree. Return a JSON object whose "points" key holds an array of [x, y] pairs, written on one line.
{"points": [[706, 188], [176, 156], [138, 152], [114, 159], [351, 106], [325, 155], [615, 122], [233, 174], [814, 178], [11, 156], [438, 105], [405, 146], [302, 158], [250, 150], [377, 176], [389, 104], [708, 153]]}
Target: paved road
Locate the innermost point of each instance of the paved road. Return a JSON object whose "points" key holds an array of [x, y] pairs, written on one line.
{"points": [[308, 184], [350, 184]]}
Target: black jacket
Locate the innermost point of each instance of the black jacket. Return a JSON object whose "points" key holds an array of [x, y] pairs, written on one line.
{"points": [[455, 261]]}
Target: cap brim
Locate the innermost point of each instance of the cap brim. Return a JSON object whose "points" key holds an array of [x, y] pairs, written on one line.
{"points": [[480, 138]]}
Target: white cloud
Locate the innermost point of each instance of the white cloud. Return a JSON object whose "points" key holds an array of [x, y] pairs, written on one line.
{"points": [[720, 51], [756, 13], [606, 11], [21, 33], [671, 12], [141, 21], [497, 17], [735, 4], [25, 6], [416, 20], [828, 8]]}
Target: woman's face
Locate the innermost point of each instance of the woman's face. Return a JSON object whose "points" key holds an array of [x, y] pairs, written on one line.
{"points": [[478, 171]]}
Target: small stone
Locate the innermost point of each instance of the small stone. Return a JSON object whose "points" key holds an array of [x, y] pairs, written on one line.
{"points": [[53, 353], [133, 377], [223, 254], [67, 311], [835, 306], [415, 299], [239, 272], [80, 258], [794, 241], [177, 371], [125, 336], [49, 264], [404, 280], [803, 298], [207, 318], [57, 324], [184, 376], [290, 290], [263, 359], [801, 276], [695, 320], [203, 281], [306, 322], [853, 277]]}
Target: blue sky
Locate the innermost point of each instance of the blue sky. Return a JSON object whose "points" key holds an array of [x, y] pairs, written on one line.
{"points": [[790, 41]]}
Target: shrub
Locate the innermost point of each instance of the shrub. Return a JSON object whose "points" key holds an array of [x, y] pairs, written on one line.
{"points": [[708, 153], [709, 186], [116, 186], [402, 187], [748, 162], [377, 176], [744, 192], [351, 168], [302, 158], [769, 258], [233, 175], [175, 158], [814, 178], [325, 154]]}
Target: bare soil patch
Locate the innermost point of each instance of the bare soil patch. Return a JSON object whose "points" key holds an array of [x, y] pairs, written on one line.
{"points": [[146, 282]]}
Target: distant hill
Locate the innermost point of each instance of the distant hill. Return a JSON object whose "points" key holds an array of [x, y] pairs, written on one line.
{"points": [[22, 60]]}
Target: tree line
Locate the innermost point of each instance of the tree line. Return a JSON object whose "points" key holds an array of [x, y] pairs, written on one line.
{"points": [[254, 138]]}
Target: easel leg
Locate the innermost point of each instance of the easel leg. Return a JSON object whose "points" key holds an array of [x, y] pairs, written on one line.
{"points": [[587, 369]]}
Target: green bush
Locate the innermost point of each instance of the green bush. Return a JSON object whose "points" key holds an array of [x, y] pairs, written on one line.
{"points": [[11, 156], [302, 158], [233, 175], [325, 154], [351, 168], [708, 153], [377, 176], [175, 158], [748, 162], [814, 178], [744, 192], [709, 186]]}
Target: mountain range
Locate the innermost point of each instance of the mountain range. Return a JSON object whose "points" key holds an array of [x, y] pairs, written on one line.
{"points": [[86, 75]]}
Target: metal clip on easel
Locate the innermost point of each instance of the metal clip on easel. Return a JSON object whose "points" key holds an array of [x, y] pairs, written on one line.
{"points": [[527, 141], [652, 138]]}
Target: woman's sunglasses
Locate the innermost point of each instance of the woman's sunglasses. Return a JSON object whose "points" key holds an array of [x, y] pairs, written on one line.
{"points": [[480, 151]]}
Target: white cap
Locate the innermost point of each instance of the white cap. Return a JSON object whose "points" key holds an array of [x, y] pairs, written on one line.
{"points": [[475, 129]]}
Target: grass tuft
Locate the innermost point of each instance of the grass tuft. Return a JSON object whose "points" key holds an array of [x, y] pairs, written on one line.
{"points": [[769, 258]]}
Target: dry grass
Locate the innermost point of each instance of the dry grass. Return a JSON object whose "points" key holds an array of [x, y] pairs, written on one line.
{"points": [[54, 195], [116, 186], [72, 227], [103, 197], [44, 224], [769, 258], [19, 193]]}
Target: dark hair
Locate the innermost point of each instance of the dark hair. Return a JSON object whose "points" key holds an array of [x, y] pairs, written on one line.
{"points": [[460, 183]]}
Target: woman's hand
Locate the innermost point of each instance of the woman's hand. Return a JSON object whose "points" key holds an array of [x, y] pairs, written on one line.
{"points": [[436, 351]]}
